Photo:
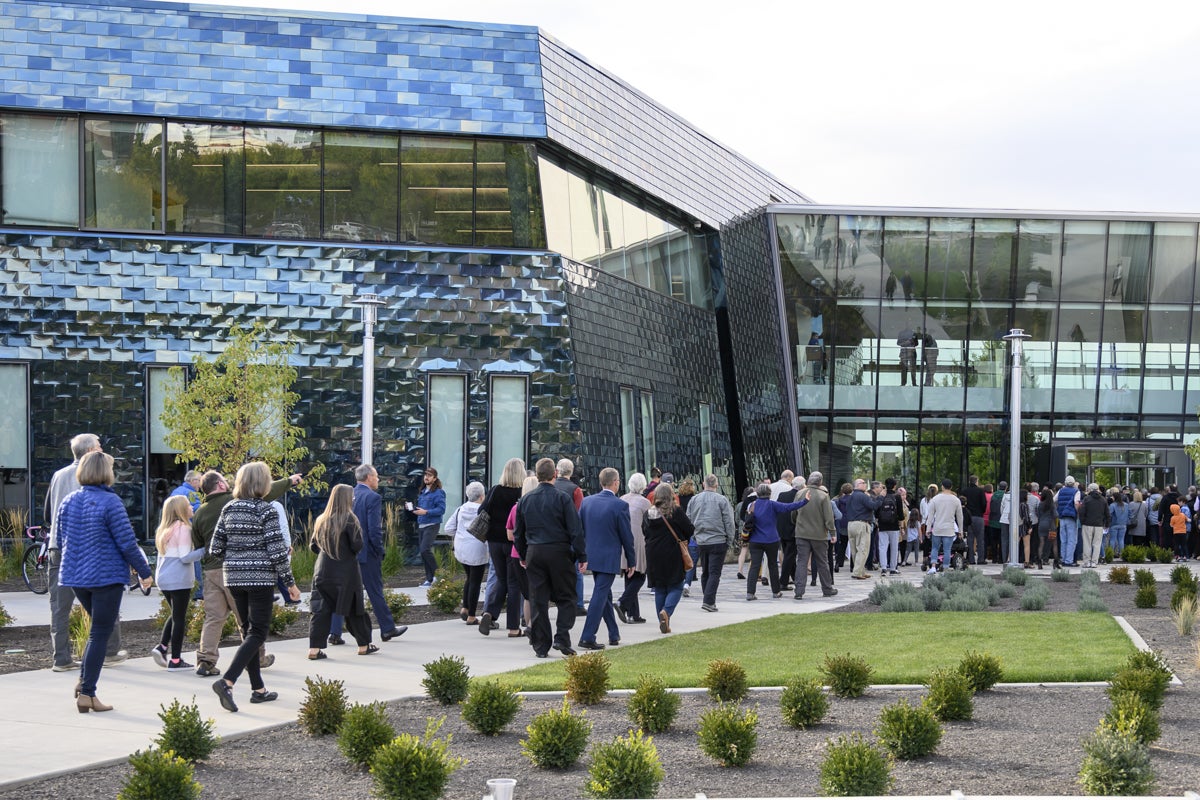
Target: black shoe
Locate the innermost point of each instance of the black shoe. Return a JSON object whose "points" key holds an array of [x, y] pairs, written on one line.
{"points": [[335, 640], [485, 623], [540, 653], [830, 593], [225, 693], [636, 620], [592, 645], [565, 649], [613, 642], [621, 615], [393, 633], [263, 697], [764, 581], [741, 577]]}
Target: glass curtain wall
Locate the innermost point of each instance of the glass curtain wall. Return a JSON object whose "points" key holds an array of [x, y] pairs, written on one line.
{"points": [[14, 443], [447, 434], [508, 423], [122, 175], [205, 178], [359, 197], [35, 152]]}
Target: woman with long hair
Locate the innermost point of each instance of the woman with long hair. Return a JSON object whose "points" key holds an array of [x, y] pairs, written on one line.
{"points": [[429, 508], [499, 501], [337, 580], [176, 577], [664, 526], [98, 548], [255, 555], [1047, 536]]}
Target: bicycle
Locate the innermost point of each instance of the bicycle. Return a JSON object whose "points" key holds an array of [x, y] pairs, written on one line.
{"points": [[35, 567], [135, 583]]}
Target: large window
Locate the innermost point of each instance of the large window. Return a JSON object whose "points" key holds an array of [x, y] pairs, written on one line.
{"points": [[283, 182], [122, 177], [649, 444], [629, 451], [361, 173], [437, 198], [37, 153], [447, 434], [508, 423], [204, 178]]}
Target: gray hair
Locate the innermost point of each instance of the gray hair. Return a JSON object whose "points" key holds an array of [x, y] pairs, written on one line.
{"points": [[798, 483], [787, 475], [710, 481], [83, 444], [192, 475], [637, 483], [815, 479], [475, 492], [362, 472], [1092, 487], [565, 467], [763, 490], [608, 475]]}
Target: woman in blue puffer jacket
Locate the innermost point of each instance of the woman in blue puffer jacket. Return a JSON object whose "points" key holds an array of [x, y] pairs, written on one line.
{"points": [[98, 549]]}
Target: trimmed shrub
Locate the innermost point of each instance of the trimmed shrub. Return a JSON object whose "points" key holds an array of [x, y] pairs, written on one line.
{"points": [[729, 735], [1006, 590], [1164, 555], [1114, 764], [1014, 575], [1134, 554], [1150, 659], [1060, 575], [651, 706], [446, 593], [725, 680], [1119, 575], [628, 766], [184, 733], [885, 590], [587, 678], [1183, 613], [556, 738], [1109, 555], [853, 767], [414, 767], [904, 603], [1092, 603], [6, 618], [1146, 597], [159, 775], [1183, 590], [324, 706], [447, 680], [1089, 578], [490, 707], [398, 603], [282, 617], [982, 670], [846, 675], [932, 599], [1182, 574], [969, 600], [908, 731], [1147, 683], [195, 624], [1035, 597], [803, 703], [1130, 716], [950, 696], [365, 729], [1143, 577]]}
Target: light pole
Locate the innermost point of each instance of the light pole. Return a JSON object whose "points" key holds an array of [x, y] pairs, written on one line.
{"points": [[369, 303], [1017, 336]]}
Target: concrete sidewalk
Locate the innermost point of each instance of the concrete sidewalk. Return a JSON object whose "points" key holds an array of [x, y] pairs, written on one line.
{"points": [[38, 707]]}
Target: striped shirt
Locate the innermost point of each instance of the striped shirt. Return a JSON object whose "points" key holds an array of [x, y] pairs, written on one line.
{"points": [[249, 540]]}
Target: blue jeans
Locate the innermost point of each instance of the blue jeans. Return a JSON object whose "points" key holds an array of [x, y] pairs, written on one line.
{"points": [[1068, 538], [667, 597], [1115, 538], [199, 571], [103, 604], [600, 607], [941, 546], [694, 552]]}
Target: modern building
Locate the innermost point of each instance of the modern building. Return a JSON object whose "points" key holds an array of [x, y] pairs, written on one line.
{"points": [[568, 269]]}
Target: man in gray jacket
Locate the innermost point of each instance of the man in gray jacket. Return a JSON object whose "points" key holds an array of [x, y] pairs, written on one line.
{"points": [[712, 516], [814, 525]]}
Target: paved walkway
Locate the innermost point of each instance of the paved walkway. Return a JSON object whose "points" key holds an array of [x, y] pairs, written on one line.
{"points": [[37, 706]]}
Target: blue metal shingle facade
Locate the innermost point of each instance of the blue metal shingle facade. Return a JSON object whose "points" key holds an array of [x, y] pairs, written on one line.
{"points": [[183, 60]]}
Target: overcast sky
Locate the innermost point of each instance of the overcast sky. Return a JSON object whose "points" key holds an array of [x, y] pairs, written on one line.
{"points": [[1048, 105]]}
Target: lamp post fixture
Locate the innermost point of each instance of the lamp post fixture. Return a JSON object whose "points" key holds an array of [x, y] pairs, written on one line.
{"points": [[1017, 336], [369, 303]]}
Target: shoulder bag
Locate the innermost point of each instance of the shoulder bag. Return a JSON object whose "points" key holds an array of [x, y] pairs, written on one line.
{"points": [[683, 548], [479, 526], [748, 525]]}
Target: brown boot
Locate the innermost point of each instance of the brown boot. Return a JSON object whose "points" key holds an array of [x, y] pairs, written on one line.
{"points": [[84, 704]]}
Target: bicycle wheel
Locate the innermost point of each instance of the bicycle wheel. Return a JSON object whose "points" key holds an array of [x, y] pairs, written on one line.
{"points": [[36, 571]]}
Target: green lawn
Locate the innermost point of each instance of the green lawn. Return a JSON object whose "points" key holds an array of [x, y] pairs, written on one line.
{"points": [[902, 648]]}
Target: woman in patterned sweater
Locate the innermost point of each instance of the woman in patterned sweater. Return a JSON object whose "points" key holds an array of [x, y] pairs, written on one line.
{"points": [[255, 554]]}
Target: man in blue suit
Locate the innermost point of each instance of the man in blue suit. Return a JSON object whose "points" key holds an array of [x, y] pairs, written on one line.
{"points": [[606, 529], [368, 507]]}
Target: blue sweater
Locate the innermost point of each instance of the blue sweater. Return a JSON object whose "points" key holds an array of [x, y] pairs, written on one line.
{"points": [[764, 512], [97, 541], [433, 502]]}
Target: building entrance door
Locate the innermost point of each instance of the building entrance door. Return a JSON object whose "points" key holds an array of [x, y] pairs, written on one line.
{"points": [[1137, 476]]}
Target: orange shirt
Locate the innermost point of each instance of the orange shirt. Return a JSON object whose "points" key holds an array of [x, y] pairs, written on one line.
{"points": [[1178, 520]]}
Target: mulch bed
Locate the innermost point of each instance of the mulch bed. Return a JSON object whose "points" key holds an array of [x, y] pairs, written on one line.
{"points": [[1022, 741]]}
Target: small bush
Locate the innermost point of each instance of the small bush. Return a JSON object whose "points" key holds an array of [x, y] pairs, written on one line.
{"points": [[729, 735], [1182, 574], [159, 775], [195, 624], [184, 733], [726, 681], [1129, 716], [324, 706], [1134, 554], [847, 675], [1152, 660], [1183, 613], [557, 738], [365, 729], [1181, 591], [1146, 597], [1092, 603], [1035, 597], [587, 678], [1114, 764], [932, 599], [651, 706], [950, 695], [854, 767], [803, 703], [6, 618], [908, 731], [904, 603], [1060, 575], [628, 766], [446, 593], [490, 707], [1109, 555], [1148, 684], [414, 767], [79, 627], [1006, 590], [982, 670], [969, 600], [447, 679], [1014, 575], [1089, 578], [1164, 555], [1119, 575], [283, 617], [1143, 577], [398, 603]]}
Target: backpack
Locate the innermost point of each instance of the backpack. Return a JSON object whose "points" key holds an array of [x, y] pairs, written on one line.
{"points": [[889, 512]]}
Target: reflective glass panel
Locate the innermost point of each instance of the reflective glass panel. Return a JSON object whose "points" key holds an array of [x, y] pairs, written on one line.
{"points": [[896, 450], [361, 186], [809, 286], [1191, 404], [649, 443], [706, 444], [942, 344], [814, 446], [38, 152], [509, 417], [507, 200], [1039, 322], [1039, 260], [949, 260], [205, 167], [436, 190], [1128, 273], [14, 419], [283, 183], [987, 449], [905, 247], [1077, 360], [698, 276], [851, 454], [988, 361], [628, 432], [556, 197], [901, 314], [941, 453], [992, 261], [1174, 262], [448, 433], [611, 213], [859, 251], [1083, 262], [157, 383], [122, 179]]}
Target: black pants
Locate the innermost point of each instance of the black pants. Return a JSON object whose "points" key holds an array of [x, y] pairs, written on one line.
{"points": [[787, 568], [551, 571], [759, 553], [508, 589], [712, 561], [628, 601], [475, 576], [255, 605], [322, 602], [176, 624]]}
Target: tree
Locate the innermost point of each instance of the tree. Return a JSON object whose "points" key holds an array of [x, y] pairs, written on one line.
{"points": [[237, 408]]}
